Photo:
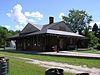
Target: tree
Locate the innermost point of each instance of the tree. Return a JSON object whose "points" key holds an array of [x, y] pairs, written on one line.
{"points": [[11, 32], [92, 38], [95, 29], [78, 21], [93, 41], [86, 30], [3, 35]]}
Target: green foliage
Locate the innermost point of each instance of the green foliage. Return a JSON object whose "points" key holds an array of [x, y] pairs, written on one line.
{"points": [[86, 31], [78, 21], [95, 28], [4, 33], [11, 32], [97, 46], [93, 40]]}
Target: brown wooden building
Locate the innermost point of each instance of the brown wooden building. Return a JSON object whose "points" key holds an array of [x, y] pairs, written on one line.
{"points": [[50, 37]]}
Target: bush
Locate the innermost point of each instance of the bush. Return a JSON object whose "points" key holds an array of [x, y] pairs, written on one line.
{"points": [[97, 46], [90, 48], [93, 41]]}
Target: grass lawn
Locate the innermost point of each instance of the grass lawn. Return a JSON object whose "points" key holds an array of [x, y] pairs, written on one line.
{"points": [[20, 67], [74, 61], [89, 51], [8, 48]]}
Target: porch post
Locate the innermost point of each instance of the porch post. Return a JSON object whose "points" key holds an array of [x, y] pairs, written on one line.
{"points": [[57, 44]]}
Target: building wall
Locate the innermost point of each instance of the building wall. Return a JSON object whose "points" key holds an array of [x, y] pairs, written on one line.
{"points": [[44, 43]]}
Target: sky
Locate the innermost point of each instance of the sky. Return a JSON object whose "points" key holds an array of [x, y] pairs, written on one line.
{"points": [[15, 14]]}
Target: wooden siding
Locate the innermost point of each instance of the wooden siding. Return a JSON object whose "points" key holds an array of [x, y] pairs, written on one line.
{"points": [[44, 42]]}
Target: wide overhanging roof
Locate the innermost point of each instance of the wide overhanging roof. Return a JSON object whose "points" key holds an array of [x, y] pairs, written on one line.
{"points": [[57, 32], [58, 28], [63, 33], [50, 31]]}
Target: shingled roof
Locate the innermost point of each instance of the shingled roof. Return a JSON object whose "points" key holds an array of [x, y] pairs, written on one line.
{"points": [[31, 28], [58, 28]]}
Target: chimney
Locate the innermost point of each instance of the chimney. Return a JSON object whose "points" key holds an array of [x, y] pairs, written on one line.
{"points": [[51, 20]]}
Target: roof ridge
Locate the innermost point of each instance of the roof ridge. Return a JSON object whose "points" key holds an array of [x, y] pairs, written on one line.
{"points": [[50, 25], [38, 26]]}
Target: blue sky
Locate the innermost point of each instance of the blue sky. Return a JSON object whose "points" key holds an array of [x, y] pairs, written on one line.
{"points": [[15, 14]]}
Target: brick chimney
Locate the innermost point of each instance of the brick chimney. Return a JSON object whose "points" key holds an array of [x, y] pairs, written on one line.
{"points": [[51, 20]]}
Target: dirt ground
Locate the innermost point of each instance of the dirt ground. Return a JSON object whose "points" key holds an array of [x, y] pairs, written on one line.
{"points": [[66, 67]]}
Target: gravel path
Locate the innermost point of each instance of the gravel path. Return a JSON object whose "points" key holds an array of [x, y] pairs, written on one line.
{"points": [[66, 67]]}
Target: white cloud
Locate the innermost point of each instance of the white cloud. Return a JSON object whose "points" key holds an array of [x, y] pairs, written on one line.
{"points": [[60, 15], [27, 14], [36, 15], [7, 26], [19, 27], [18, 16], [31, 20]]}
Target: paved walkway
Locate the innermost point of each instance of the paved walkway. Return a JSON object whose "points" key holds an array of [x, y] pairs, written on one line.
{"points": [[73, 54], [61, 54]]}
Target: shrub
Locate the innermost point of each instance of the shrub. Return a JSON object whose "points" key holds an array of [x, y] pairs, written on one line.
{"points": [[97, 46], [93, 41]]}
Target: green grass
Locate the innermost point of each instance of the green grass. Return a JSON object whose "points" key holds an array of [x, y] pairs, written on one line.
{"points": [[89, 51], [8, 48], [20, 67], [73, 61]]}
